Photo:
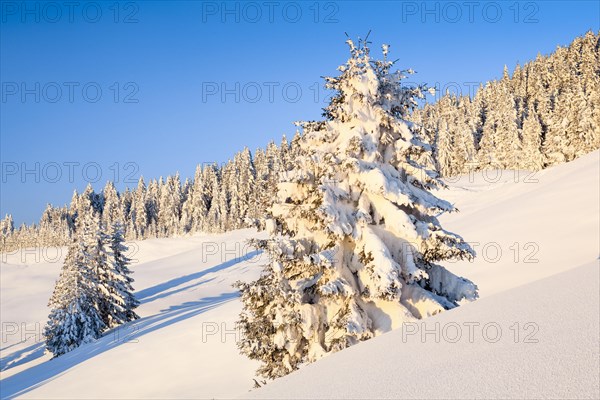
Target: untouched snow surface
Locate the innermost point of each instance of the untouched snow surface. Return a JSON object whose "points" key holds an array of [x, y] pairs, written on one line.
{"points": [[476, 353], [534, 332], [182, 347]]}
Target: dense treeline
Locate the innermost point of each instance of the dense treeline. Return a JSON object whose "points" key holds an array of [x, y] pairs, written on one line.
{"points": [[218, 198], [547, 112]]}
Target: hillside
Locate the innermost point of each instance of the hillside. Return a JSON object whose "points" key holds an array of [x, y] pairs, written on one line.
{"points": [[184, 285], [555, 356], [551, 290]]}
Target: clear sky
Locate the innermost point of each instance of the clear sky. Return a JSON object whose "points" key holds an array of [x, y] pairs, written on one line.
{"points": [[95, 90]]}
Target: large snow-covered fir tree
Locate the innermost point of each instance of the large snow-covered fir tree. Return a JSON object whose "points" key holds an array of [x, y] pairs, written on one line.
{"points": [[354, 239]]}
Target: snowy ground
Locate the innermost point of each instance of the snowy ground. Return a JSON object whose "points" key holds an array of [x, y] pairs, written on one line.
{"points": [[533, 333], [182, 347]]}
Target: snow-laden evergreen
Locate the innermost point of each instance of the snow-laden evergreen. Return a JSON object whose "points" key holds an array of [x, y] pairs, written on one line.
{"points": [[75, 317], [93, 292], [500, 146], [355, 242], [120, 280]]}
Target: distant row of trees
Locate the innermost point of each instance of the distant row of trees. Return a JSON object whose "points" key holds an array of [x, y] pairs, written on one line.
{"points": [[218, 198], [546, 113]]}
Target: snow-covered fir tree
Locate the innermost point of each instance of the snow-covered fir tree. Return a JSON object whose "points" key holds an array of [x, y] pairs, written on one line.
{"points": [[169, 209], [532, 139], [93, 292], [75, 317], [500, 146], [7, 228], [463, 132], [112, 210], [355, 242], [139, 221], [444, 150], [217, 214], [210, 190], [193, 208], [153, 208], [245, 183]]}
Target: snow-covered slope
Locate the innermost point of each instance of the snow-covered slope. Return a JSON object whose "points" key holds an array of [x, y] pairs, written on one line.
{"points": [[177, 349], [526, 226], [534, 333], [182, 347], [551, 353]]}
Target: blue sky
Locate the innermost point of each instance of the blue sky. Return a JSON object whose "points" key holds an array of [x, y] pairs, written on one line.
{"points": [[110, 91]]}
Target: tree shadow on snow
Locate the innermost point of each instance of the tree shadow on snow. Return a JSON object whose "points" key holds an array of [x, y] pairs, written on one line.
{"points": [[150, 294], [38, 375], [22, 356]]}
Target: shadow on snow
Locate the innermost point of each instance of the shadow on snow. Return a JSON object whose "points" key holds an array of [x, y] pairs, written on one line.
{"points": [[155, 292], [38, 375], [22, 356]]}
